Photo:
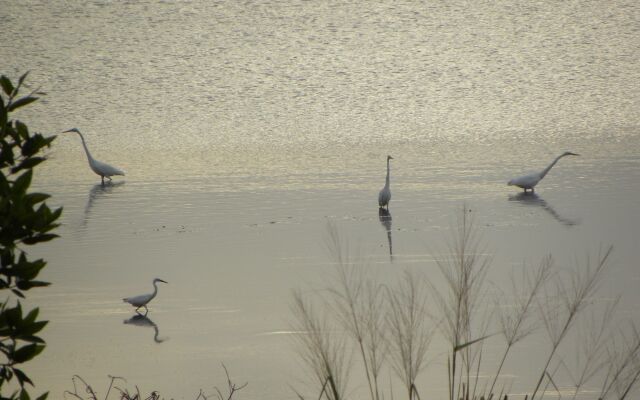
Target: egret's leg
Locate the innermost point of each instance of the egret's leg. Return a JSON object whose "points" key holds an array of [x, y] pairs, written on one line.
{"points": [[109, 178], [102, 176]]}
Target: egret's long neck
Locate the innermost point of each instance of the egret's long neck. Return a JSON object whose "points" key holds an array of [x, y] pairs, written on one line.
{"points": [[546, 170], [386, 183], [155, 290], [86, 149]]}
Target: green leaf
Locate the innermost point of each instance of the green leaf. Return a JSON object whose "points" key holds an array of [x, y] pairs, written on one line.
{"points": [[26, 285], [31, 316], [35, 143], [23, 101], [22, 78], [45, 237], [24, 395], [13, 315], [26, 353], [6, 154], [56, 214], [27, 164], [32, 339], [23, 130], [25, 270], [22, 377], [22, 183], [6, 84], [43, 396], [30, 330], [35, 198]]}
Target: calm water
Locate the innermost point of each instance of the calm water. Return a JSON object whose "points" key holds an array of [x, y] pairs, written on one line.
{"points": [[244, 127]]}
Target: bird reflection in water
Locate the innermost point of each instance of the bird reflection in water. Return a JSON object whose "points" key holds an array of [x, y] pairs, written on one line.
{"points": [[532, 199], [385, 219], [98, 191], [144, 321]]}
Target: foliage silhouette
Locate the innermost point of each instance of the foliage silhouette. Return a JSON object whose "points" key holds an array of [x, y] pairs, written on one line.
{"points": [[25, 220]]}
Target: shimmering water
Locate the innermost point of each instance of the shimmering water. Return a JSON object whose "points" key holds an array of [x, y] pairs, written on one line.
{"points": [[243, 127]]}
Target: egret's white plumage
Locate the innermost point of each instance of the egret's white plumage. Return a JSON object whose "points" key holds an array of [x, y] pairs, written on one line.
{"points": [[531, 180], [100, 168], [143, 299], [384, 197]]}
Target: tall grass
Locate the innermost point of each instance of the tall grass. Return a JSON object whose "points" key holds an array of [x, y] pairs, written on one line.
{"points": [[409, 331], [590, 352], [389, 328], [321, 348], [356, 301], [623, 370], [464, 268], [516, 323], [573, 297]]}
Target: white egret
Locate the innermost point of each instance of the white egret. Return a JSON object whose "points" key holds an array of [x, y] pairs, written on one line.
{"points": [[100, 168], [384, 197], [530, 181], [143, 299]]}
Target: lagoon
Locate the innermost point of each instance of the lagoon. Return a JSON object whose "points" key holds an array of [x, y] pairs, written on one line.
{"points": [[243, 128]]}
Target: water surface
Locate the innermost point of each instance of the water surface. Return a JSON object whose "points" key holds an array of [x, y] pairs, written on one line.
{"points": [[244, 127]]}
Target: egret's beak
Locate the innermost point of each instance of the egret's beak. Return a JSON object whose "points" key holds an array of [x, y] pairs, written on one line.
{"points": [[574, 154], [391, 158], [70, 130], [160, 280]]}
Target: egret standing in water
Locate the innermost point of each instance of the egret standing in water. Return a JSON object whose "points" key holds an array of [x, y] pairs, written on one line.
{"points": [[530, 181], [143, 299], [100, 168], [384, 197]]}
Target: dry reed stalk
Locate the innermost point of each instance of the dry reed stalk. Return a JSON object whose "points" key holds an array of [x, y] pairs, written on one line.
{"points": [[320, 347], [573, 299], [357, 303], [464, 270], [409, 333], [589, 354], [517, 325], [624, 366]]}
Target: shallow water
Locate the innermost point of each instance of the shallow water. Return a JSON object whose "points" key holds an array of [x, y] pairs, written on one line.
{"points": [[243, 128]]}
